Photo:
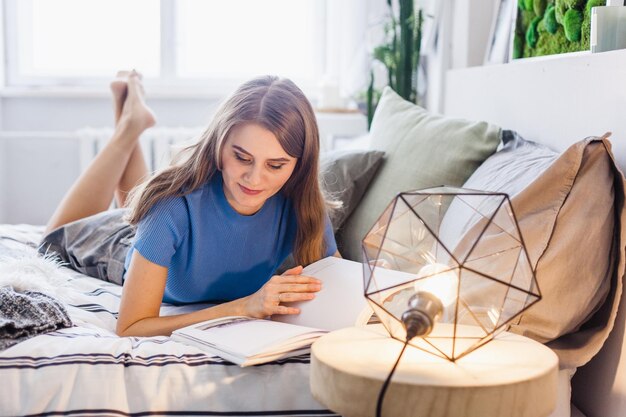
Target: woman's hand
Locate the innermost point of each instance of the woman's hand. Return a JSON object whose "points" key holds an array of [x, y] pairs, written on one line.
{"points": [[286, 288]]}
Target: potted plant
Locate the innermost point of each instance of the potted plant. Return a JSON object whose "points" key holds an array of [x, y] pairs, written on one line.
{"points": [[399, 53]]}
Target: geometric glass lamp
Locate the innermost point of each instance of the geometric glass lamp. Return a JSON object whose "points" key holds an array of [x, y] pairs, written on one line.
{"points": [[447, 268]]}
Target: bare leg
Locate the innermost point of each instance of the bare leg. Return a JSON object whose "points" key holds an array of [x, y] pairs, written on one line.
{"points": [[136, 169], [93, 191]]}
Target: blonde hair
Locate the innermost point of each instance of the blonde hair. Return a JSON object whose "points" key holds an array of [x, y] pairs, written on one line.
{"points": [[279, 106]]}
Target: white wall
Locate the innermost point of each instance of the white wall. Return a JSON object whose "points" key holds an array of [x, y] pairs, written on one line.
{"points": [[3, 162], [39, 169], [465, 27], [25, 112], [472, 24], [566, 77]]}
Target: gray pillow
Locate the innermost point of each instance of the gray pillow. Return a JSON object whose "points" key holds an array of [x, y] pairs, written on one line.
{"points": [[345, 176], [422, 150], [518, 163], [510, 170]]}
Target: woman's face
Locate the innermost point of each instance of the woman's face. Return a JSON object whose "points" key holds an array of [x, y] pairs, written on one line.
{"points": [[254, 167]]}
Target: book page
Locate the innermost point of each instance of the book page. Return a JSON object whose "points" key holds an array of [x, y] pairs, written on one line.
{"points": [[246, 337], [341, 301]]}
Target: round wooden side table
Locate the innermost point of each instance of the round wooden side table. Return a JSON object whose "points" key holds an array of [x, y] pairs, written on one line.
{"points": [[511, 376]]}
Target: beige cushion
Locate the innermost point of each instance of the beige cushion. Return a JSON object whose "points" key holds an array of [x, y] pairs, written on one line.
{"points": [[422, 150], [581, 269], [569, 216], [566, 218]]}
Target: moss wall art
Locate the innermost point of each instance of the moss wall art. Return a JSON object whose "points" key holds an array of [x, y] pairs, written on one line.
{"points": [[546, 27]]}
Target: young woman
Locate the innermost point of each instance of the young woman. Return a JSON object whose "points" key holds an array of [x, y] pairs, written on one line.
{"points": [[215, 225]]}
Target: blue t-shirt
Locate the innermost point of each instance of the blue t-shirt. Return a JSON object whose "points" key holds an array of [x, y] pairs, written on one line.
{"points": [[213, 253]]}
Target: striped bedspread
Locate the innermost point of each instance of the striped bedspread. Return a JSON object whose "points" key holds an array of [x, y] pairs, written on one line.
{"points": [[87, 370]]}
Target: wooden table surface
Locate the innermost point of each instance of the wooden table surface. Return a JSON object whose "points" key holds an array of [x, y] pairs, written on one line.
{"points": [[511, 376]]}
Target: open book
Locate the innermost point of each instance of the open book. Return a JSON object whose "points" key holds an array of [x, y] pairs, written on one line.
{"points": [[247, 341]]}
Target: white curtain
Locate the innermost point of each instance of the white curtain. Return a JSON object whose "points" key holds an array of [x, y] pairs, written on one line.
{"points": [[355, 27]]}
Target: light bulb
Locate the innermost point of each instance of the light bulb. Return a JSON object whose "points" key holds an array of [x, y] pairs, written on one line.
{"points": [[440, 280], [435, 290]]}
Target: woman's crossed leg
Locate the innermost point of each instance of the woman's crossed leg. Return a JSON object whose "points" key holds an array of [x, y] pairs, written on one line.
{"points": [[120, 165]]}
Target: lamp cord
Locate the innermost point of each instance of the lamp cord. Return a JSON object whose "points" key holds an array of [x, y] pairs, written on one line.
{"points": [[383, 390]]}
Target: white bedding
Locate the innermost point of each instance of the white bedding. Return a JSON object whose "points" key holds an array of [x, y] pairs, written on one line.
{"points": [[88, 370]]}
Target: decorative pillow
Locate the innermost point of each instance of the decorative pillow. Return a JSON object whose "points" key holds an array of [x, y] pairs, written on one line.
{"points": [[516, 164], [569, 209], [345, 176], [422, 150]]}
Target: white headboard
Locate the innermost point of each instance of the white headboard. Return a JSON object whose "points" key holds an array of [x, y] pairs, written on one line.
{"points": [[557, 101], [554, 100]]}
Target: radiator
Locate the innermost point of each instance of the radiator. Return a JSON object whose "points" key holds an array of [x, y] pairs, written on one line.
{"points": [[158, 144], [38, 167]]}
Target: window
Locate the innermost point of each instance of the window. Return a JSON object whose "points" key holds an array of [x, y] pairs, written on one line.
{"points": [[238, 39], [94, 39], [179, 42]]}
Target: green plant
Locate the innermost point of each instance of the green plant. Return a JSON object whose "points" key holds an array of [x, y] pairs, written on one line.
{"points": [[528, 4], [560, 7], [518, 46], [549, 20], [574, 4], [553, 35], [532, 36], [539, 6], [400, 54], [572, 22], [594, 3]]}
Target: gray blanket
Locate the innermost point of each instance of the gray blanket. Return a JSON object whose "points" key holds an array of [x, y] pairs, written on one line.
{"points": [[27, 314]]}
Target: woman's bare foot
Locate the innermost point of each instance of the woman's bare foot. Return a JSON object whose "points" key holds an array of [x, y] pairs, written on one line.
{"points": [[128, 95], [119, 88]]}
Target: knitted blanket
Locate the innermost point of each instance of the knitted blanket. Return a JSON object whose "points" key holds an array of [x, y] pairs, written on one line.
{"points": [[27, 314]]}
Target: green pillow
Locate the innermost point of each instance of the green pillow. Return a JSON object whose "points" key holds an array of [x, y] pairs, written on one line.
{"points": [[421, 150]]}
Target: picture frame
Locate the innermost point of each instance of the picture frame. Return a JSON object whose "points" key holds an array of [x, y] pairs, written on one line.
{"points": [[502, 32]]}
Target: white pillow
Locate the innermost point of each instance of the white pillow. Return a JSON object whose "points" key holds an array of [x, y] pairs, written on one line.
{"points": [[518, 163]]}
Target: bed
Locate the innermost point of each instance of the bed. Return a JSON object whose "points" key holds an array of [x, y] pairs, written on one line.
{"points": [[87, 370]]}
